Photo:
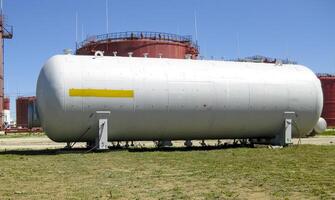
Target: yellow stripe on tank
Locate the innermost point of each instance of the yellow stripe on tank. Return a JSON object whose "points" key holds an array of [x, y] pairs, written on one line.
{"points": [[73, 92]]}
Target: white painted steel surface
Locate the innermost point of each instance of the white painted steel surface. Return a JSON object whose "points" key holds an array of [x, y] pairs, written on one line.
{"points": [[320, 126], [175, 99]]}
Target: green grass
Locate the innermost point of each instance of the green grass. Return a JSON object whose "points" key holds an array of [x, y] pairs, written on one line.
{"points": [[22, 135], [297, 172], [329, 132]]}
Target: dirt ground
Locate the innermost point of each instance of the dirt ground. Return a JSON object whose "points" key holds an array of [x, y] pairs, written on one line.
{"points": [[43, 142]]}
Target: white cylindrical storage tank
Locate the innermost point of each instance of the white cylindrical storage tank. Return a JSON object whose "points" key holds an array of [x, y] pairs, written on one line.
{"points": [[169, 99]]}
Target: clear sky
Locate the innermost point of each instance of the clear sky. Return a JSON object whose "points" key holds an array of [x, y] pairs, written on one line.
{"points": [[301, 30]]}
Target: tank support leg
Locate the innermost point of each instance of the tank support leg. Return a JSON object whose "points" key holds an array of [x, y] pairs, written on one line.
{"points": [[68, 145], [188, 143], [101, 141], [203, 143]]}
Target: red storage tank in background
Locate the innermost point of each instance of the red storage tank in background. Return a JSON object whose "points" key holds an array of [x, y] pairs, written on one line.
{"points": [[328, 88], [139, 44], [6, 103], [22, 110]]}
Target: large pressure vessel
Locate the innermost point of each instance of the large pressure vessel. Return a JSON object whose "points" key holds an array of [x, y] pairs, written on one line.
{"points": [[170, 99]]}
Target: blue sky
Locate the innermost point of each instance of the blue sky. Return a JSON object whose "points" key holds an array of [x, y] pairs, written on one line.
{"points": [[301, 30]]}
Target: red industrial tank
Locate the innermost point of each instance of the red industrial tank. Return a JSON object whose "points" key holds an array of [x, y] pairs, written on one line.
{"points": [[6, 103], [328, 87], [139, 44], [22, 110]]}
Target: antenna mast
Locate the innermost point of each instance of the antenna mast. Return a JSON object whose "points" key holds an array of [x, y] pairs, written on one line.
{"points": [[76, 28], [107, 16], [238, 44], [82, 32], [195, 26]]}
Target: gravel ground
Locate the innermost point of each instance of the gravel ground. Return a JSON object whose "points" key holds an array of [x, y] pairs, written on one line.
{"points": [[318, 140], [43, 142]]}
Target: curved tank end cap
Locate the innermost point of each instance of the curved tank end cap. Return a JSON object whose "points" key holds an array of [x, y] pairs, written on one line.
{"points": [[320, 126]]}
